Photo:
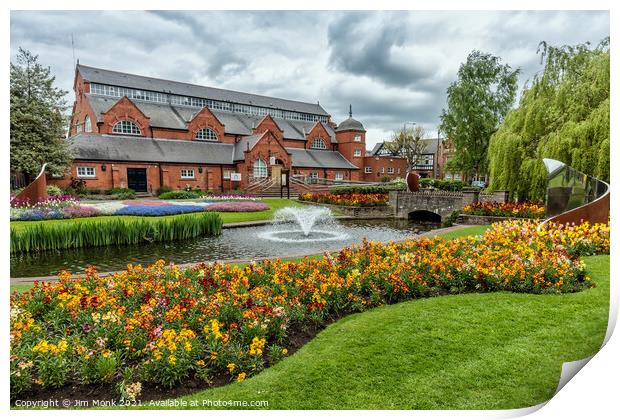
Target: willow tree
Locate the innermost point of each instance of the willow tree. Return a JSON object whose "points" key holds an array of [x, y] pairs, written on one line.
{"points": [[563, 115]]}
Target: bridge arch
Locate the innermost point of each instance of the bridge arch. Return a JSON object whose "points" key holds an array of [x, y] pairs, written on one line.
{"points": [[424, 216]]}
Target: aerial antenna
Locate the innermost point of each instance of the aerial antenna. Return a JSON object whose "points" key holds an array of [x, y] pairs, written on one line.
{"points": [[73, 49]]}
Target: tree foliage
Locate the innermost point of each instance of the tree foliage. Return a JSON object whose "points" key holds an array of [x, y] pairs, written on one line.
{"points": [[408, 143], [563, 115], [37, 121], [477, 103]]}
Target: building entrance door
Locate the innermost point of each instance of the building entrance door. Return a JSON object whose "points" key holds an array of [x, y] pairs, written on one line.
{"points": [[276, 171], [136, 179]]}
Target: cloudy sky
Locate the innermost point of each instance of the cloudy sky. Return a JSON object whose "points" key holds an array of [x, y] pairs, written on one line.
{"points": [[391, 66]]}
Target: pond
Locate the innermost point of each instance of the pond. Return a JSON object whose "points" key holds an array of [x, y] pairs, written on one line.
{"points": [[272, 240]]}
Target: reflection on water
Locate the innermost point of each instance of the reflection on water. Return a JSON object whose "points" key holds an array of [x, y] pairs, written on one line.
{"points": [[243, 243]]}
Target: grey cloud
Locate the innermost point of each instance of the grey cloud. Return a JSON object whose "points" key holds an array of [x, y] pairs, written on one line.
{"points": [[392, 66]]}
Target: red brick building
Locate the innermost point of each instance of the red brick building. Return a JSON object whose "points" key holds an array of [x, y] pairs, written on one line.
{"points": [[131, 131]]}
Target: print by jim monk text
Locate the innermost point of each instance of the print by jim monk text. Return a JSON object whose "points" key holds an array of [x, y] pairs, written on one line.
{"points": [[168, 403]]}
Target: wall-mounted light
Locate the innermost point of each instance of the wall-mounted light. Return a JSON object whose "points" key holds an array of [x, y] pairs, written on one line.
{"points": [[103, 168], [200, 169]]}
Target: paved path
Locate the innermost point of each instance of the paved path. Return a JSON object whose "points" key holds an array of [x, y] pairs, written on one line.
{"points": [[26, 280]]}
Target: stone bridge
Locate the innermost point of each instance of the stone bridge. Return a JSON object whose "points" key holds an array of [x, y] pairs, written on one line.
{"points": [[435, 206]]}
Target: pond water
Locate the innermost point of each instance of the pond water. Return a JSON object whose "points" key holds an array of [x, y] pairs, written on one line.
{"points": [[280, 239]]}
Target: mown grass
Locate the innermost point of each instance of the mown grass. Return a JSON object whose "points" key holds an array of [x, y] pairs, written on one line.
{"points": [[274, 204], [472, 351]]}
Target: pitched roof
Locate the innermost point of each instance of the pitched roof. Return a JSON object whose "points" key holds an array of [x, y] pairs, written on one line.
{"points": [[430, 147], [177, 117], [305, 158], [109, 77], [143, 149], [87, 146]]}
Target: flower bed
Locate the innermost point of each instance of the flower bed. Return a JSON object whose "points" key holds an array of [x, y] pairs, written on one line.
{"points": [[491, 208], [159, 210], [230, 197], [348, 199], [238, 206], [159, 325], [54, 207]]}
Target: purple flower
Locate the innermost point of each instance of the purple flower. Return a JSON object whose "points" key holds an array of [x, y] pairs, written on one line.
{"points": [[80, 211], [87, 328], [240, 206], [142, 210]]}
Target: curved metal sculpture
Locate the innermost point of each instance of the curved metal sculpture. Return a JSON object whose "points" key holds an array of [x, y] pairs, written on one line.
{"points": [[35, 191], [574, 197], [413, 181]]}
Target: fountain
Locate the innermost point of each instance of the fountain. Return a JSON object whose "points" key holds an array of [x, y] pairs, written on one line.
{"points": [[303, 220]]}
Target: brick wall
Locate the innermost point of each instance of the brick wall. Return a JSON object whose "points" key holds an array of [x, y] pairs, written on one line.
{"points": [[378, 162]]}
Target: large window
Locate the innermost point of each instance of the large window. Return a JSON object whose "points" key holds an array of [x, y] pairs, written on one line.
{"points": [[206, 134], [169, 98], [368, 169], [318, 143], [87, 125], [358, 137], [260, 169], [86, 172], [390, 170], [187, 174], [338, 176], [357, 153], [126, 127]]}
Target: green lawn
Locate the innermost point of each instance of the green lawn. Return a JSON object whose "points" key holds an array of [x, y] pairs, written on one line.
{"points": [[471, 351], [273, 203]]}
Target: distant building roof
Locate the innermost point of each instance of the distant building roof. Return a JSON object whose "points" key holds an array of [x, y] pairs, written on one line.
{"points": [[430, 147], [144, 149], [115, 78]]}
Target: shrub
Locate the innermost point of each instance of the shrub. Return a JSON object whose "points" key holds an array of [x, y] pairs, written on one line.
{"points": [[168, 323], [162, 190], [116, 231], [180, 194], [53, 190], [368, 189], [238, 206], [351, 199], [442, 184]]}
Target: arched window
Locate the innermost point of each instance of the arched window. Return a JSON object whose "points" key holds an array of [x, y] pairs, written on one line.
{"points": [[87, 125], [126, 127], [260, 169], [206, 134], [318, 143]]}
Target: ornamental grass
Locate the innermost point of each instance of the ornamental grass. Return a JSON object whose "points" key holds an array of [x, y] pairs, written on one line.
{"points": [[117, 231], [162, 324], [347, 199], [526, 209]]}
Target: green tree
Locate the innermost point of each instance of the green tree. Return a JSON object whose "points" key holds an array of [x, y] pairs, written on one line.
{"points": [[563, 115], [477, 104], [408, 143], [37, 121]]}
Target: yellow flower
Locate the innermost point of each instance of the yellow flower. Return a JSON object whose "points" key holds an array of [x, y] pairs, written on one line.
{"points": [[106, 353], [241, 377], [172, 360], [200, 362], [285, 351], [231, 367]]}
